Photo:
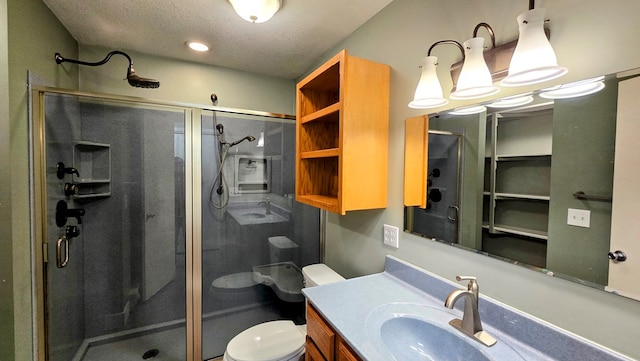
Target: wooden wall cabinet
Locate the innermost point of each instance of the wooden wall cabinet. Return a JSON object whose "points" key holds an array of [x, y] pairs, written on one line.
{"points": [[342, 111], [323, 343]]}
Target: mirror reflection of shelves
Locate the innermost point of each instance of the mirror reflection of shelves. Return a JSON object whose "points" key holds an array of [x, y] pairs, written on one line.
{"points": [[518, 173], [93, 162]]}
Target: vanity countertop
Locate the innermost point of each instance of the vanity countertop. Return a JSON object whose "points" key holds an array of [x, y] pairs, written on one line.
{"points": [[348, 305]]}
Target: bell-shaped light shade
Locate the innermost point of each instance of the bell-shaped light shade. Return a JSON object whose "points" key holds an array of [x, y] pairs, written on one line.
{"points": [[513, 101], [429, 91], [256, 11], [534, 60], [475, 79]]}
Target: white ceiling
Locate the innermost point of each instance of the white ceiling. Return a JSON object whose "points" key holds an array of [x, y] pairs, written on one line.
{"points": [[285, 46]]}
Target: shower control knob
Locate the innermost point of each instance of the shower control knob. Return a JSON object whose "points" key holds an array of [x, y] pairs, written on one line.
{"points": [[70, 189], [61, 170], [150, 215], [71, 232], [617, 256]]}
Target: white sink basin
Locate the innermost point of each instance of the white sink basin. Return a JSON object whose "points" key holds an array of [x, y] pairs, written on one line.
{"points": [[411, 331], [248, 213]]}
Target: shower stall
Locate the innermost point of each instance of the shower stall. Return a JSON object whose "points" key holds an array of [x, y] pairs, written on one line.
{"points": [[162, 230]]}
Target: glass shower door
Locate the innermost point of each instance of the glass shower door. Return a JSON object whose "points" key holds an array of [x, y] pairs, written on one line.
{"points": [[115, 229], [255, 237], [442, 217]]}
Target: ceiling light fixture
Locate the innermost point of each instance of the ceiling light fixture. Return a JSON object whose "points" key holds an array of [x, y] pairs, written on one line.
{"points": [[197, 46], [256, 11], [534, 60]]}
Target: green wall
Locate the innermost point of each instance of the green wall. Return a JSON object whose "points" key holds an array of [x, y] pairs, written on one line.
{"points": [[34, 35], [6, 262], [584, 126], [399, 36]]}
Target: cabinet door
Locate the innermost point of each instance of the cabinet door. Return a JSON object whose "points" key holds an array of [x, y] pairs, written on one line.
{"points": [[312, 353], [344, 353]]}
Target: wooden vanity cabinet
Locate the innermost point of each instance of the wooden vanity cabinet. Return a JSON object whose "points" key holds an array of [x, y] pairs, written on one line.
{"points": [[323, 343], [342, 112]]}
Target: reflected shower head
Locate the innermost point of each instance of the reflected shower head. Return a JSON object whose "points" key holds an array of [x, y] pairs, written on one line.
{"points": [[132, 78], [248, 137]]}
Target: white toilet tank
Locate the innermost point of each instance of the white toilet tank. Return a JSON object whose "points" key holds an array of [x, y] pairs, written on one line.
{"points": [[319, 274]]}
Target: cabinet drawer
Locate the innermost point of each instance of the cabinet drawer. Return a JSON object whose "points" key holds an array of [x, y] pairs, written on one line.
{"points": [[322, 335], [311, 352], [345, 353]]}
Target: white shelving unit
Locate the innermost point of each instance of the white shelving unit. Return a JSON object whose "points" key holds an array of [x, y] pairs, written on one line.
{"points": [[93, 162], [518, 164]]}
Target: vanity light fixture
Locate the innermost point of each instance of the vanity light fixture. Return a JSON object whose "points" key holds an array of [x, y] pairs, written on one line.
{"points": [[256, 11], [475, 79], [428, 93], [534, 60], [469, 110], [575, 89], [197, 46], [514, 101]]}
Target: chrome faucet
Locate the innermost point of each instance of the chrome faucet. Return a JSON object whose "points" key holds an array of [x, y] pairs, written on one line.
{"points": [[267, 205], [470, 324]]}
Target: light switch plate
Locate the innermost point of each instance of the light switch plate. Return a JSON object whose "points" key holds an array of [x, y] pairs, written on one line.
{"points": [[579, 217], [391, 235]]}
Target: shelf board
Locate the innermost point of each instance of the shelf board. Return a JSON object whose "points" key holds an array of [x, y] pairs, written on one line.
{"points": [[323, 153], [520, 157], [330, 113], [93, 181], [521, 196], [320, 201], [533, 233]]}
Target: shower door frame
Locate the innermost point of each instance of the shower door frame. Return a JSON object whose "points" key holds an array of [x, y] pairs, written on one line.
{"points": [[193, 206]]}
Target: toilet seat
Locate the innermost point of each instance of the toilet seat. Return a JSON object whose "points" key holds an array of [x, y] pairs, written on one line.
{"points": [[269, 341]]}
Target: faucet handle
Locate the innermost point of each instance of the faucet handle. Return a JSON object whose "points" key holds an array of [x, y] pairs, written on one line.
{"points": [[472, 286]]}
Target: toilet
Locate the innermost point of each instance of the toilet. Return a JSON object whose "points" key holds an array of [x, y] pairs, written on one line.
{"points": [[278, 340]]}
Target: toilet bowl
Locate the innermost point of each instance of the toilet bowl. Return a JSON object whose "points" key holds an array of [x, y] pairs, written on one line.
{"points": [[278, 340], [235, 288]]}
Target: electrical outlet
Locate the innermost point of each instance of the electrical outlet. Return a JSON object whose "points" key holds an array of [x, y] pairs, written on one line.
{"points": [[391, 235], [579, 217]]}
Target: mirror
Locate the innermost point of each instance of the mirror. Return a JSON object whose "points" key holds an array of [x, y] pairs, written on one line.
{"points": [[549, 184]]}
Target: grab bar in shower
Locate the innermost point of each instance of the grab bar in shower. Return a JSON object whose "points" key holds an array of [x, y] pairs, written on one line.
{"points": [[60, 261]]}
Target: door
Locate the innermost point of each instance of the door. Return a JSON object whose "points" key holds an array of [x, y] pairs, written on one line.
{"points": [[441, 218], [625, 229], [159, 251]]}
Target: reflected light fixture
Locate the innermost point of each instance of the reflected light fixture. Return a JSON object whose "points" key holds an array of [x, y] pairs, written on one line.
{"points": [[534, 60], [256, 11], [513, 101], [469, 110], [575, 89], [261, 140]]}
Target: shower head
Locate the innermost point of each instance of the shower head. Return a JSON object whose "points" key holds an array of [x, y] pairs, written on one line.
{"points": [[220, 128], [132, 78], [248, 137], [140, 82]]}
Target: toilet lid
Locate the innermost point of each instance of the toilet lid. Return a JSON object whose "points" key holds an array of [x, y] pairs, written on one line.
{"points": [[272, 340]]}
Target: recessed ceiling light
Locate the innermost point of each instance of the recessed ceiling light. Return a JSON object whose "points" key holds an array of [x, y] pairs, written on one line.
{"points": [[197, 46]]}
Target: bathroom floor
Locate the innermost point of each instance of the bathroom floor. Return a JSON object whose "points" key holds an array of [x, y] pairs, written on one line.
{"points": [[169, 344]]}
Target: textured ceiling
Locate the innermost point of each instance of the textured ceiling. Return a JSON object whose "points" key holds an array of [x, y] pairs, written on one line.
{"points": [[285, 46]]}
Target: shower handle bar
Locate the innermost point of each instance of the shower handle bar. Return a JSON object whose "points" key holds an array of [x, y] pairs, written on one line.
{"points": [[60, 261]]}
